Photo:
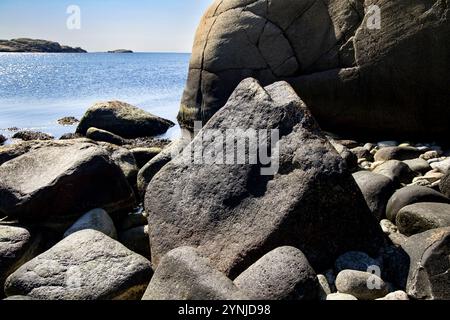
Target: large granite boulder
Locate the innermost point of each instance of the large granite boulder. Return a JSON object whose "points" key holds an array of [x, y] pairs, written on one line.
{"points": [[87, 265], [123, 119], [235, 214], [355, 77], [59, 183]]}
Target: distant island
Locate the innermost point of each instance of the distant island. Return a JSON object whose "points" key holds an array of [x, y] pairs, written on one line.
{"points": [[120, 51], [36, 45]]}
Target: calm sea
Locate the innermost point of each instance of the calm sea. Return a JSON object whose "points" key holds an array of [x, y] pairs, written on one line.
{"points": [[38, 89]]}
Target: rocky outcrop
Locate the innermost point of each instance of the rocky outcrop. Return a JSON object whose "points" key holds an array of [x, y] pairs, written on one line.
{"points": [[87, 265], [123, 120], [355, 77], [235, 215], [120, 51], [36, 45], [32, 135]]}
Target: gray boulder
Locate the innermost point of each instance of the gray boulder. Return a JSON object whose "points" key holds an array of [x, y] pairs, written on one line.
{"points": [[356, 79], [362, 285], [420, 217], [123, 120], [87, 265], [340, 297], [377, 190], [97, 219], [57, 184], [104, 136], [410, 195], [17, 246], [397, 171], [240, 214], [429, 274], [282, 274], [418, 165], [185, 275]]}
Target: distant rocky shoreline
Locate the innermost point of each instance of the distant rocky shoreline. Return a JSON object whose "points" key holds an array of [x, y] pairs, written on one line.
{"points": [[37, 46]]}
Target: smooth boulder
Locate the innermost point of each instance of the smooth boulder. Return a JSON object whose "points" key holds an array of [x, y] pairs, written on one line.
{"points": [[377, 190], [429, 273], [97, 219], [104, 136], [410, 195], [420, 217], [123, 119], [356, 78], [87, 265], [282, 274], [183, 274], [445, 184], [242, 214], [58, 184]]}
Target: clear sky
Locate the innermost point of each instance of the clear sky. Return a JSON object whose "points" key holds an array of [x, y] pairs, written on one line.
{"points": [[139, 25]]}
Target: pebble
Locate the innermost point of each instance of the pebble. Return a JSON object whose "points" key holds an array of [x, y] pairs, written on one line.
{"points": [[340, 297], [362, 285]]}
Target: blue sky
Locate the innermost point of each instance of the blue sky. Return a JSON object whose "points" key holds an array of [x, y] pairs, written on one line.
{"points": [[139, 25]]}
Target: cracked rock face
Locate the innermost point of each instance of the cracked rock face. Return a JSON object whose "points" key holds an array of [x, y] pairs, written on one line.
{"points": [[390, 81], [235, 215]]}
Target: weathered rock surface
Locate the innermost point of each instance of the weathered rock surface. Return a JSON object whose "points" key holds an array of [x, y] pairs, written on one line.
{"points": [[36, 45], [356, 79], [97, 219], [429, 274], [312, 203], [358, 284], [87, 265], [282, 274], [410, 195], [60, 182], [104, 136], [123, 120], [377, 190], [184, 275], [420, 217], [17, 246]]}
